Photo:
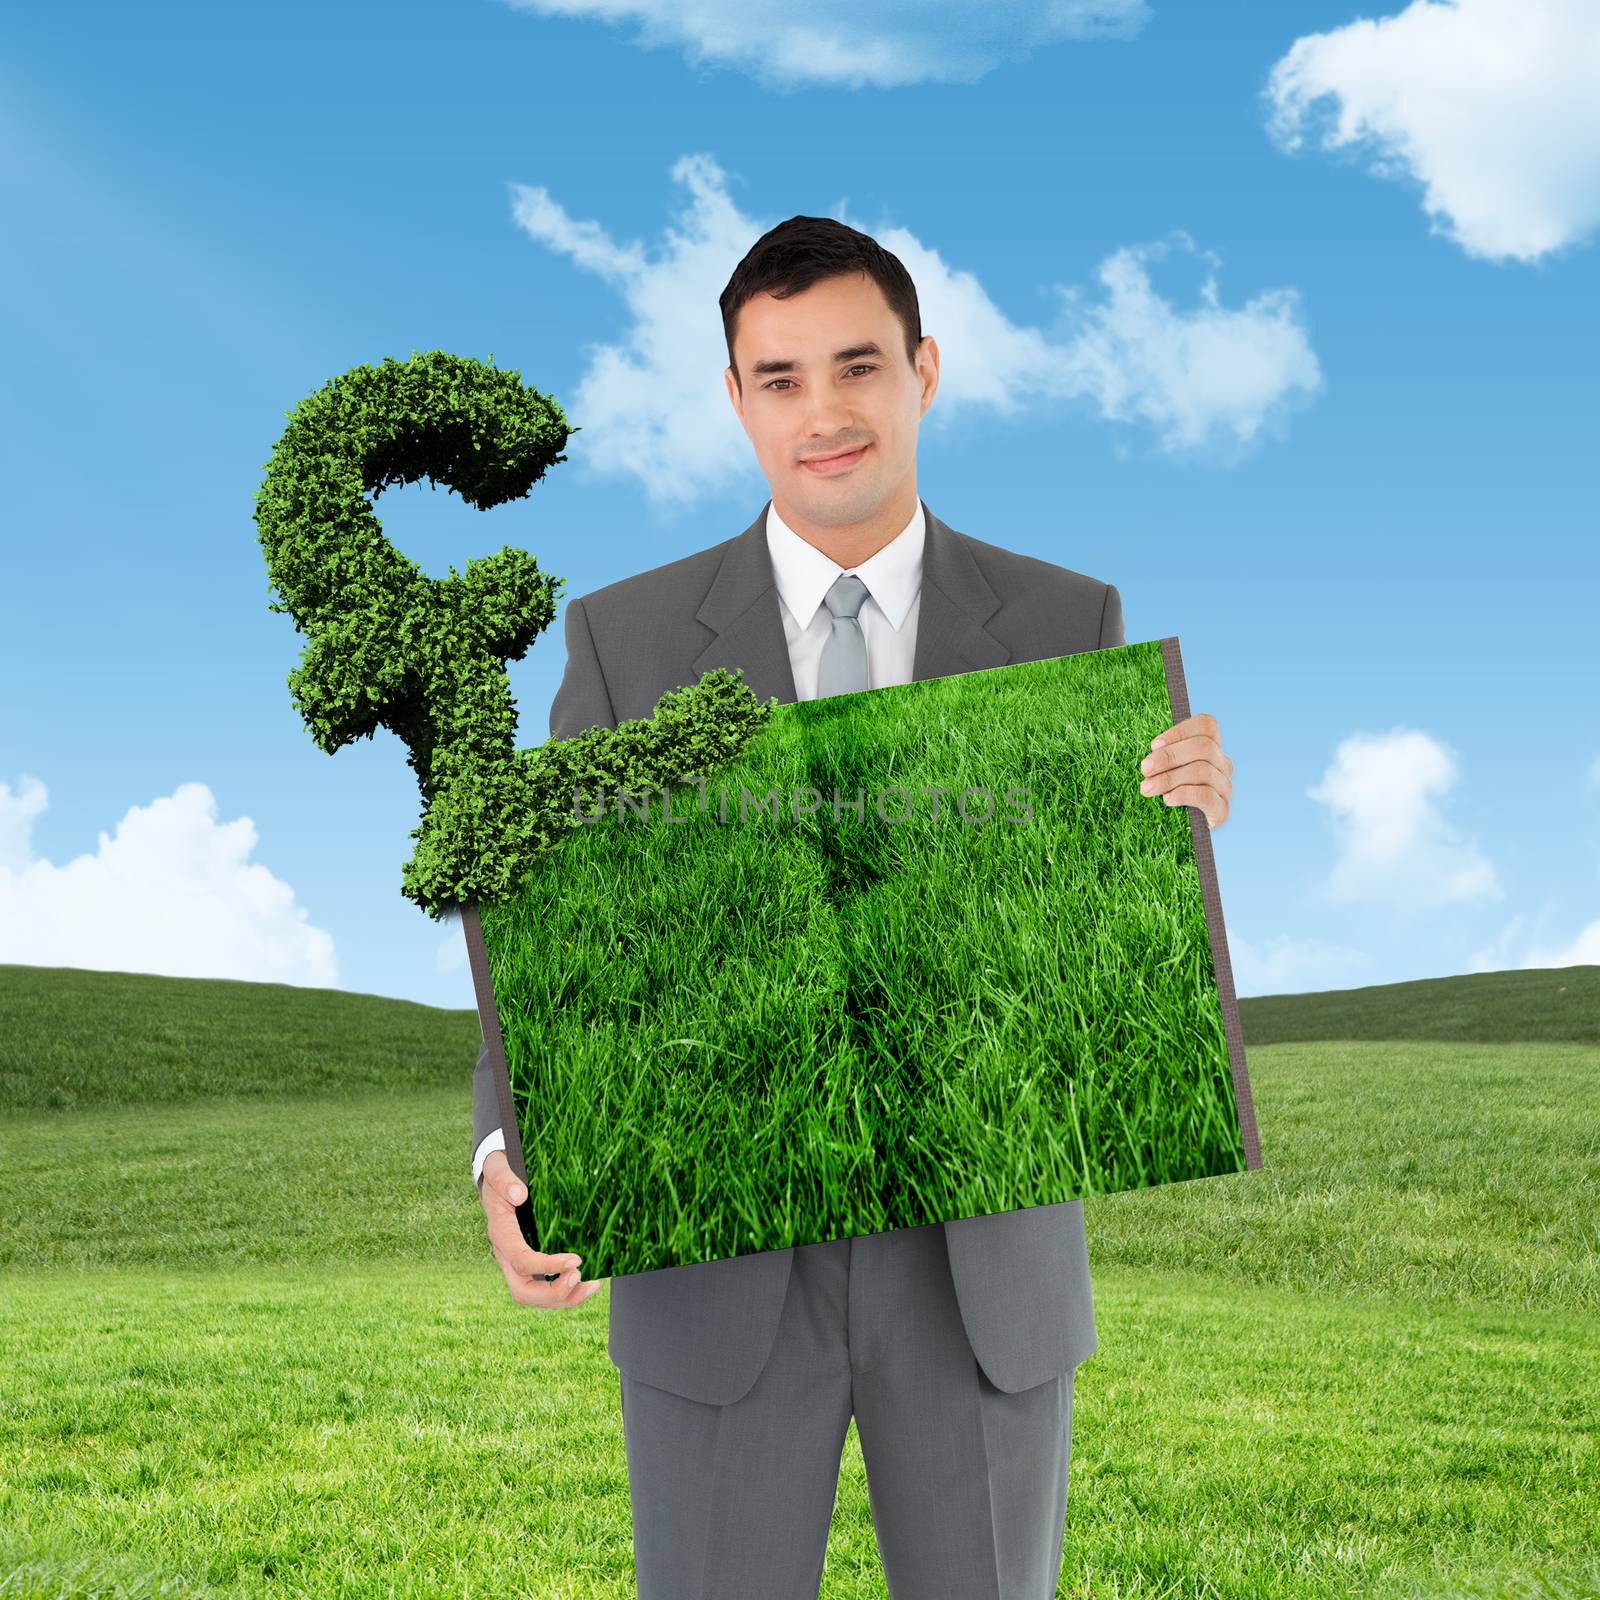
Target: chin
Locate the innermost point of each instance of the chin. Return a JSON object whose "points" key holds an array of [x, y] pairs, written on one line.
{"points": [[846, 507]]}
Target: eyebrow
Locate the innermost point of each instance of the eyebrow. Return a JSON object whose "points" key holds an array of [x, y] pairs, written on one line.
{"points": [[849, 353]]}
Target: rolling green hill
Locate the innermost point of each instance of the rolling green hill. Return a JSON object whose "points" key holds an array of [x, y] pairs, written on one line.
{"points": [[256, 1344], [1536, 1005], [71, 1038]]}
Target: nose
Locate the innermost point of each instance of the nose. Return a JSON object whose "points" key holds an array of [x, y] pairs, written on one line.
{"points": [[831, 419]]}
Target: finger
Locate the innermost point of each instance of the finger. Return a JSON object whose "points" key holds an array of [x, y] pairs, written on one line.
{"points": [[565, 1292], [1202, 723], [499, 1178], [536, 1292], [1201, 795], [503, 1193], [1207, 774], [1200, 772], [500, 1188], [526, 1268], [513, 1251], [563, 1296], [517, 1257], [1197, 747]]}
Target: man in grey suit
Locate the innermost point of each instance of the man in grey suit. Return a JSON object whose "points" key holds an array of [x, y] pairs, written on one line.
{"points": [[953, 1345]]}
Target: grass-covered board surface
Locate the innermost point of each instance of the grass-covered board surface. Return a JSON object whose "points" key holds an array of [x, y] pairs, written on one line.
{"points": [[736, 1015]]}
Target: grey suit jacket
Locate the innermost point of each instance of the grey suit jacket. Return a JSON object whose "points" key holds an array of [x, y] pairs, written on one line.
{"points": [[704, 1330]]}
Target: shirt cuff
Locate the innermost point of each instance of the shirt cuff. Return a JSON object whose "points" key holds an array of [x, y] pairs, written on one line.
{"points": [[491, 1141]]}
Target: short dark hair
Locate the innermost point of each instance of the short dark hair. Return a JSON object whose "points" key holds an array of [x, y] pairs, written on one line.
{"points": [[803, 251]]}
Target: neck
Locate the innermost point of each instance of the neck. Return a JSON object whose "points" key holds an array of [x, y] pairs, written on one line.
{"points": [[849, 544]]}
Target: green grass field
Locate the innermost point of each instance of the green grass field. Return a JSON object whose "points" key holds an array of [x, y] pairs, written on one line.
{"points": [[255, 1344], [732, 1035]]}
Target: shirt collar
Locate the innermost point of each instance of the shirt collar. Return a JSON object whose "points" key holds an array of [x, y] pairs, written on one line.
{"points": [[893, 575]]}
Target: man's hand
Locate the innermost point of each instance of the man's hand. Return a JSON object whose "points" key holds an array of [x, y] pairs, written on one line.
{"points": [[1187, 765], [523, 1268]]}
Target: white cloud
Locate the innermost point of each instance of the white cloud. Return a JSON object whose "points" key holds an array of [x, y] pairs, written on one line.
{"points": [[1292, 966], [1583, 950], [1395, 847], [451, 955], [835, 44], [1493, 106], [171, 891], [1201, 378], [1205, 379]]}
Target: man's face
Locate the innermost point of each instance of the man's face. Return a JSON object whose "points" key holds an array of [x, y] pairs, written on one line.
{"points": [[811, 391]]}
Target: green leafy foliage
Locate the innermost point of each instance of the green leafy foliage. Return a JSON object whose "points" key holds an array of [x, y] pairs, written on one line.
{"points": [[425, 657]]}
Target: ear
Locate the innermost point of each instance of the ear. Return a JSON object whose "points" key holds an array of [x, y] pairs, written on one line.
{"points": [[928, 370]]}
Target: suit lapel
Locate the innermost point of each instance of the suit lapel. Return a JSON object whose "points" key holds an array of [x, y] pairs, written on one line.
{"points": [[956, 602], [742, 607]]}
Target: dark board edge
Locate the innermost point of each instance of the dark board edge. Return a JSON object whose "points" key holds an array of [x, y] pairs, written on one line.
{"points": [[489, 1021], [1205, 860]]}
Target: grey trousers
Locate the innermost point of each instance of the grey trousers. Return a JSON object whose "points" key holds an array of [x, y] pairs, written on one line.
{"points": [[967, 1483]]}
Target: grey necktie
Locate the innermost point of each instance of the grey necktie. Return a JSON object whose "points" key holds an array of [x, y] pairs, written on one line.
{"points": [[843, 668]]}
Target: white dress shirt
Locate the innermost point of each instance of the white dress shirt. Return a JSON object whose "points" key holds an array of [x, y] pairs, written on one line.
{"points": [[888, 616]]}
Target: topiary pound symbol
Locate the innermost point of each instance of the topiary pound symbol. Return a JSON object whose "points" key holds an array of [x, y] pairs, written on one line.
{"points": [[426, 657]]}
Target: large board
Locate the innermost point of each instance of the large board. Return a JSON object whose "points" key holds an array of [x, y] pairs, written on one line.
{"points": [[922, 952]]}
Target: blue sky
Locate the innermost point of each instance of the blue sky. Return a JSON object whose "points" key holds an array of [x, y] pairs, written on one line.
{"points": [[1281, 320]]}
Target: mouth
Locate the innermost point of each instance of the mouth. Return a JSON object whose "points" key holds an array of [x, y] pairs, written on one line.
{"points": [[829, 465]]}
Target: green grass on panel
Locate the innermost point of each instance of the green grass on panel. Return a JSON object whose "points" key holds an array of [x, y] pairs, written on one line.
{"points": [[728, 1036]]}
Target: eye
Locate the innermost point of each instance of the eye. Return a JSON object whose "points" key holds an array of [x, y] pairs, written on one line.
{"points": [[860, 367]]}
